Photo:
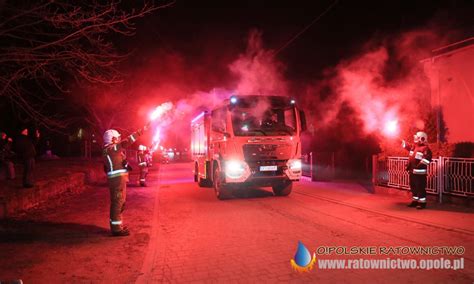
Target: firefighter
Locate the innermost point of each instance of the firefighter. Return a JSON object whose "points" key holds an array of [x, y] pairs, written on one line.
{"points": [[25, 148], [418, 161], [143, 163], [116, 168]]}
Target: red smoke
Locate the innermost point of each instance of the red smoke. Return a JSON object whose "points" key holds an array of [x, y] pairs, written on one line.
{"points": [[382, 85], [258, 72]]}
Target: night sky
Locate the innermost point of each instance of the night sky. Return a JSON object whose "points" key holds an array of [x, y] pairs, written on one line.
{"points": [[200, 29]]}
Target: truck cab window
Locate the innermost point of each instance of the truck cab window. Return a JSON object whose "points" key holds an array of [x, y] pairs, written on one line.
{"points": [[272, 122], [218, 120]]}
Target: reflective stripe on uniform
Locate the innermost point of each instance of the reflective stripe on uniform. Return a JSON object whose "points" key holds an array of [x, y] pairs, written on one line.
{"points": [[419, 171], [142, 179], [415, 198], [423, 200], [419, 155], [142, 164], [115, 147], [116, 173], [115, 222], [110, 163], [425, 161], [133, 138]]}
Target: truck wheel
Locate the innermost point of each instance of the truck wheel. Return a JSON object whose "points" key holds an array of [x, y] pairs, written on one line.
{"points": [[283, 189], [203, 182], [221, 191]]}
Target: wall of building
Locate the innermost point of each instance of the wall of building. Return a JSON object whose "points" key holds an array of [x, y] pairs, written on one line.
{"points": [[451, 78]]}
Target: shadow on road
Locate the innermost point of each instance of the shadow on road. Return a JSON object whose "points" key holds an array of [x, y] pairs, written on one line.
{"points": [[29, 231], [246, 193]]}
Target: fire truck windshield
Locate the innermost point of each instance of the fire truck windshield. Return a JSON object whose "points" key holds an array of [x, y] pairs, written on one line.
{"points": [[248, 121]]}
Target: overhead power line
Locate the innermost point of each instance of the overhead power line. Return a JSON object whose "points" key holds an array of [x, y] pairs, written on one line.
{"points": [[306, 27]]}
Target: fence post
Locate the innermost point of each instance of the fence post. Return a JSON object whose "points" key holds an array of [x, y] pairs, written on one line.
{"points": [[311, 165], [440, 181], [374, 169]]}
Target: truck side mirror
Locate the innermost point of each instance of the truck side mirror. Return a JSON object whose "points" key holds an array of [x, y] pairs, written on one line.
{"points": [[303, 121]]}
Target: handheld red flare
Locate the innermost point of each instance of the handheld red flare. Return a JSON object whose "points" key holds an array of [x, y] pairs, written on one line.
{"points": [[161, 110], [391, 128]]}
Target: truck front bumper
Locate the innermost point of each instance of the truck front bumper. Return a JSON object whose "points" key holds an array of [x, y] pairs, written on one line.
{"points": [[255, 175]]}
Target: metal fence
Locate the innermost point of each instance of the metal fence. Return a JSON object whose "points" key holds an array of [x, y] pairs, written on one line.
{"points": [[318, 165], [446, 175]]}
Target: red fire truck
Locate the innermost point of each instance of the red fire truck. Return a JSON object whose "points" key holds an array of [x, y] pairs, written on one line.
{"points": [[248, 140]]}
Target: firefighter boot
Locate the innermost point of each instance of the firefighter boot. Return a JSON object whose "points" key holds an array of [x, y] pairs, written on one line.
{"points": [[413, 204], [122, 233]]}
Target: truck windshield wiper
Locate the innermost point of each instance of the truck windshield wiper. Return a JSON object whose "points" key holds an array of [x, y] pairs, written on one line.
{"points": [[258, 130], [286, 131], [280, 129]]}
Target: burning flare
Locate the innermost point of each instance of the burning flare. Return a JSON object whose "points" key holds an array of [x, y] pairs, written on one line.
{"points": [[391, 128], [156, 139], [161, 110]]}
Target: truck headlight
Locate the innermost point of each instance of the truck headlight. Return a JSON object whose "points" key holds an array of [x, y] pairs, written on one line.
{"points": [[234, 168], [294, 165]]}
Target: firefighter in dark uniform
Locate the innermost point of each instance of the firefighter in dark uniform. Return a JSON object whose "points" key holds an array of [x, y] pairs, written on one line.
{"points": [[116, 168], [419, 158], [143, 163], [25, 148]]}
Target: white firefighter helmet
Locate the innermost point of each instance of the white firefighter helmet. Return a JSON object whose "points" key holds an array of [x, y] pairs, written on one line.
{"points": [[141, 148], [420, 136], [109, 136]]}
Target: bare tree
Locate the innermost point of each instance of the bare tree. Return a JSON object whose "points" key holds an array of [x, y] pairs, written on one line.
{"points": [[43, 44], [106, 107]]}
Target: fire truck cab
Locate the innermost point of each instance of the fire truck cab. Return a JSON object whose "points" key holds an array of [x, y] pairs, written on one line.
{"points": [[248, 140]]}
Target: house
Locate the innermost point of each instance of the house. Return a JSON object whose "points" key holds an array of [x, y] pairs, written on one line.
{"points": [[451, 74]]}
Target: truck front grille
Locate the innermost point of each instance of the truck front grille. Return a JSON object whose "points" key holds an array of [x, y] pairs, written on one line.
{"points": [[258, 152]]}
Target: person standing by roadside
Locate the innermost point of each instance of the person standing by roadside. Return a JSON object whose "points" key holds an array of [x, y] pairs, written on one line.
{"points": [[418, 161], [143, 163], [116, 168], [6, 155], [24, 147]]}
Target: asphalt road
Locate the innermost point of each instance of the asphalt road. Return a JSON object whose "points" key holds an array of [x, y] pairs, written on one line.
{"points": [[182, 233]]}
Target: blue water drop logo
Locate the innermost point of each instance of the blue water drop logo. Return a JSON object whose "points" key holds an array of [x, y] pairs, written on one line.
{"points": [[302, 256]]}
